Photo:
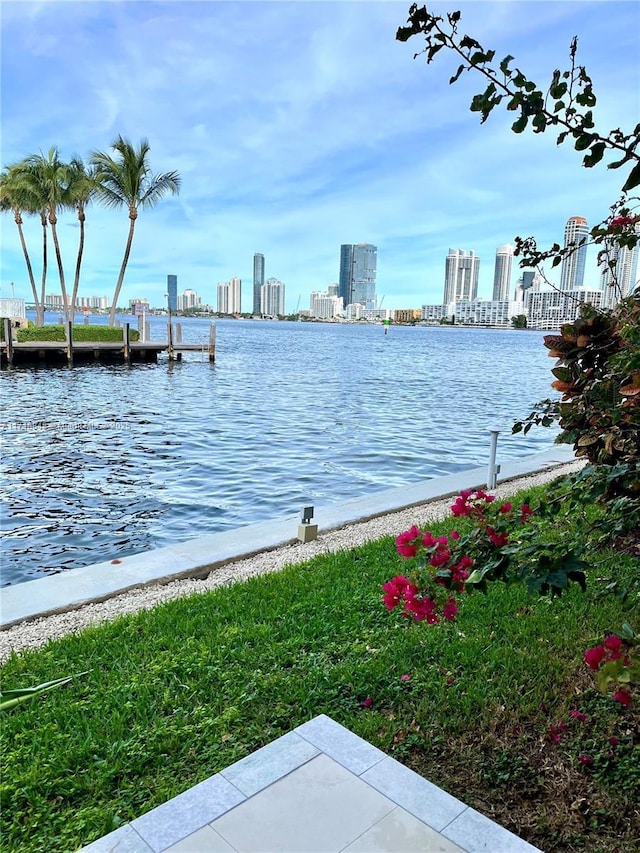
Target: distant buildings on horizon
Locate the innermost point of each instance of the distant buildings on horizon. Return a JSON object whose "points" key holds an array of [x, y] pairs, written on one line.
{"points": [[354, 297]]}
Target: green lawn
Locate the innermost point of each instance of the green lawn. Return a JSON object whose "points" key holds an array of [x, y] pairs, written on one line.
{"points": [[175, 694]]}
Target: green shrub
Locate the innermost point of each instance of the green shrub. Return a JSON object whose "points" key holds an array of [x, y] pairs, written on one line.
{"points": [[94, 334]]}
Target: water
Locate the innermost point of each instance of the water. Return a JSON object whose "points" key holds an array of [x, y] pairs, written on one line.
{"points": [[105, 461]]}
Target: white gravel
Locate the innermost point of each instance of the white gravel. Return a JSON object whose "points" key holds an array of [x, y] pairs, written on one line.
{"points": [[31, 635]]}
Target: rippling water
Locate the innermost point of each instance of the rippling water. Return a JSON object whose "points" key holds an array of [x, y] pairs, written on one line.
{"points": [[104, 461]]}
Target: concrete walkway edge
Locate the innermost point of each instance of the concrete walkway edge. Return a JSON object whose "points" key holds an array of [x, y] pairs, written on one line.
{"points": [[196, 558]]}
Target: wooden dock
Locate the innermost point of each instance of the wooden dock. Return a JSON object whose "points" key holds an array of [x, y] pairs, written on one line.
{"points": [[70, 352]]}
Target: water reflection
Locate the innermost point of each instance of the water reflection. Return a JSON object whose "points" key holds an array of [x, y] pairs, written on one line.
{"points": [[101, 461]]}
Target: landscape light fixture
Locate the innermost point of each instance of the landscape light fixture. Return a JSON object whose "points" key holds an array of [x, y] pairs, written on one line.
{"points": [[493, 470], [307, 532]]}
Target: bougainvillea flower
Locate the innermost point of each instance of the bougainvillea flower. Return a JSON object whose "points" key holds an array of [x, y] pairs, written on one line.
{"points": [[622, 696], [407, 542], [594, 657], [450, 610], [613, 643]]}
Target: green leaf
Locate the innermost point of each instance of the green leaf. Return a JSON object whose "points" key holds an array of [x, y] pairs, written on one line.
{"points": [[504, 65], [558, 90], [633, 180], [519, 125], [596, 155], [583, 141], [457, 74], [11, 698]]}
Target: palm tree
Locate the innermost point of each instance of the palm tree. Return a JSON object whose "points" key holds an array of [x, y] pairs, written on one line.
{"points": [[82, 188], [16, 197], [50, 179], [125, 179]]}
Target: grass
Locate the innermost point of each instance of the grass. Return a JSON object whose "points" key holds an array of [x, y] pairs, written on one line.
{"points": [[176, 694]]}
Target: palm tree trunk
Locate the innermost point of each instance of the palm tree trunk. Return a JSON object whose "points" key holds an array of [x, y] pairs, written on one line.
{"points": [[63, 289], [76, 281], [27, 261], [43, 283], [133, 214]]}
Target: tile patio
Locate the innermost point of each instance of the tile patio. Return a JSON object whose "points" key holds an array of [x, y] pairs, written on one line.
{"points": [[317, 789]]}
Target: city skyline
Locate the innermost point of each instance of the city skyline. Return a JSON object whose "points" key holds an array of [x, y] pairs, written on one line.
{"points": [[271, 151]]}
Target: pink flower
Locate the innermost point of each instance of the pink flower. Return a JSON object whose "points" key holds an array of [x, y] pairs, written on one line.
{"points": [[554, 733], [622, 696], [405, 677], [505, 508], [407, 542], [594, 657], [450, 610], [525, 513], [613, 643], [421, 608], [498, 539], [585, 759], [622, 221], [368, 702], [396, 590], [578, 715], [455, 535]]}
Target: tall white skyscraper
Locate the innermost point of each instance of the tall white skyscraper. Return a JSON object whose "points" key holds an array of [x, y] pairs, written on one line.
{"points": [[576, 235], [461, 276], [621, 279], [230, 296], [272, 298], [502, 273]]}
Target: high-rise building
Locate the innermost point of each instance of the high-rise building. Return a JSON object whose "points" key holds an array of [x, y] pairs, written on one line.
{"points": [[188, 299], [358, 268], [258, 280], [576, 235], [502, 272], [172, 292], [325, 305], [461, 276], [530, 280], [618, 277], [230, 296], [272, 298]]}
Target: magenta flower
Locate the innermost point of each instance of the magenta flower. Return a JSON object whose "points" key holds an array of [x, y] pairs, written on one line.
{"points": [[594, 657], [405, 677], [578, 715], [613, 643], [585, 759], [407, 542], [622, 696], [525, 513], [368, 702], [450, 610]]}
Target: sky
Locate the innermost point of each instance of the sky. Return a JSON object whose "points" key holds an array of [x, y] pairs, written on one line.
{"points": [[299, 126]]}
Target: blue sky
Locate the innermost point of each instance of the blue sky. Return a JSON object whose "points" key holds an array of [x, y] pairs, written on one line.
{"points": [[298, 126]]}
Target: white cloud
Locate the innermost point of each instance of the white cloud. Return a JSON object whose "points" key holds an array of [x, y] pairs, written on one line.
{"points": [[299, 126]]}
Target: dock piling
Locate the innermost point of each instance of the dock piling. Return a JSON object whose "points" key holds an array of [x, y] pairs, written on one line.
{"points": [[212, 342], [8, 337]]}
